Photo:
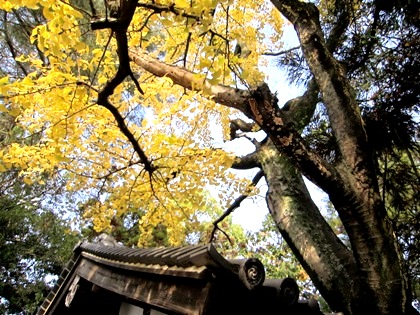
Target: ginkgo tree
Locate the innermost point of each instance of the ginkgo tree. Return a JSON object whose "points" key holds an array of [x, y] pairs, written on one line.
{"points": [[130, 98]]}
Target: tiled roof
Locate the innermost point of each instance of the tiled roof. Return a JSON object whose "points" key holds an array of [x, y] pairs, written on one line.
{"points": [[187, 272], [250, 271], [193, 261], [185, 256]]}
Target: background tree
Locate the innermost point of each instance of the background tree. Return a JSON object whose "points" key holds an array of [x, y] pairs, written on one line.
{"points": [[36, 235], [35, 244], [131, 121]]}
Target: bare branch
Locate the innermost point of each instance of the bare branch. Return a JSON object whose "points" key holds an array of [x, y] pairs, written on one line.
{"points": [[247, 162], [10, 44], [127, 133], [89, 14], [242, 125], [119, 27], [157, 8], [187, 46], [283, 52], [235, 204]]}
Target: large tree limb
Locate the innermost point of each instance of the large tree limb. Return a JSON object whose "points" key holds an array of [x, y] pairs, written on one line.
{"points": [[119, 27], [240, 125], [300, 110], [342, 21], [247, 162], [337, 93], [222, 94]]}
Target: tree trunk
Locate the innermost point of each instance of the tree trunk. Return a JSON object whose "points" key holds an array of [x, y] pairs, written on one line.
{"points": [[358, 200], [328, 262]]}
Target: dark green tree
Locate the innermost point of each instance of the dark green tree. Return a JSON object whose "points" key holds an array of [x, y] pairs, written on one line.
{"points": [[35, 244]]}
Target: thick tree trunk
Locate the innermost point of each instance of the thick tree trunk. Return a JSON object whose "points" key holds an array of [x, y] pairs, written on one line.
{"points": [[325, 258], [358, 203]]}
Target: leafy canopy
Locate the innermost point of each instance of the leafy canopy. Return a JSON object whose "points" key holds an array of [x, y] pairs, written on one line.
{"points": [[92, 145]]}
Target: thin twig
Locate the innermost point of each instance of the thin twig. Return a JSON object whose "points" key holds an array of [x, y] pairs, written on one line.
{"points": [[283, 52]]}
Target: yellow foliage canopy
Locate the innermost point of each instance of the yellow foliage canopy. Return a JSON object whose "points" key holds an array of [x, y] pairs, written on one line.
{"points": [[174, 127]]}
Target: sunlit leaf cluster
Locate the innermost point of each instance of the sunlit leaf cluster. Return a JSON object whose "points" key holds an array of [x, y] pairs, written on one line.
{"points": [[178, 130]]}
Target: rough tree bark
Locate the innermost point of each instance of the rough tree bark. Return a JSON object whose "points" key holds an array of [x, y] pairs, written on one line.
{"points": [[358, 204], [324, 257]]}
